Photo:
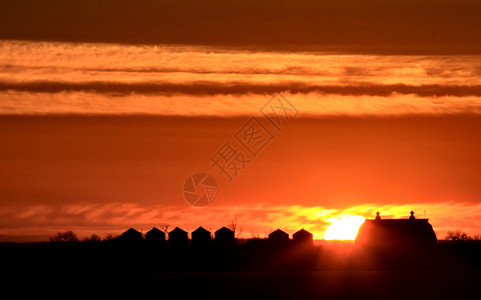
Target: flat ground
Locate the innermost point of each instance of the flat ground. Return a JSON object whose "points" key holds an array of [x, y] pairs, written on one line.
{"points": [[267, 285]]}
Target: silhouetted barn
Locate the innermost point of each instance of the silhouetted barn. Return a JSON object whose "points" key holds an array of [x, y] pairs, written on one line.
{"points": [[224, 235], [155, 235], [302, 237], [201, 236], [131, 235], [278, 236], [396, 235]]}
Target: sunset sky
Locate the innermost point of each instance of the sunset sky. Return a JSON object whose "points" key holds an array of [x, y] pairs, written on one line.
{"points": [[107, 107]]}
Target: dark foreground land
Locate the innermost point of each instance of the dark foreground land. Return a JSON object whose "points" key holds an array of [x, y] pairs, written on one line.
{"points": [[257, 285], [251, 270]]}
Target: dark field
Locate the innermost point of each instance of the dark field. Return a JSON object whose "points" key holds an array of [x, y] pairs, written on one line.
{"points": [[261, 285], [259, 271]]}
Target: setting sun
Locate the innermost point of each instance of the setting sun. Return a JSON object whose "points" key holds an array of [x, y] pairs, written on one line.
{"points": [[344, 229]]}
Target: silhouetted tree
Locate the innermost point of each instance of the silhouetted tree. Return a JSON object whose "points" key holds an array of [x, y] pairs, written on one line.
{"points": [[67, 236], [165, 228], [255, 235], [458, 236], [232, 226], [110, 237], [92, 238]]}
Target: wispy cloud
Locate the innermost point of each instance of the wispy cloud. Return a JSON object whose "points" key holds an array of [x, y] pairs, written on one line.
{"points": [[41, 77], [309, 104], [205, 88]]}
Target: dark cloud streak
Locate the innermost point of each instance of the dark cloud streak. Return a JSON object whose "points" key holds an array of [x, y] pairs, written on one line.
{"points": [[239, 88]]}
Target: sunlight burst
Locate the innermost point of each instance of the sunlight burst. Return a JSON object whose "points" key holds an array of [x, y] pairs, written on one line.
{"points": [[344, 228]]}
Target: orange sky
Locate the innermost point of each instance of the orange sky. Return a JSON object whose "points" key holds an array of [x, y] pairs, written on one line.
{"points": [[106, 108], [104, 174]]}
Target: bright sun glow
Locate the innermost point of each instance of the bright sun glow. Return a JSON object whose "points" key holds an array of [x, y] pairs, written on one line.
{"points": [[344, 228]]}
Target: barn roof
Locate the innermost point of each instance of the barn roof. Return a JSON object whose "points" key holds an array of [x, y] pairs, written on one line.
{"points": [[224, 230], [155, 230], [131, 231], [201, 230], [178, 231], [278, 234], [302, 233], [410, 231]]}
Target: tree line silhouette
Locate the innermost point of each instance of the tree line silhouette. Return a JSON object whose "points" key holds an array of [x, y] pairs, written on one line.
{"points": [[70, 236], [381, 244], [271, 267], [133, 251]]}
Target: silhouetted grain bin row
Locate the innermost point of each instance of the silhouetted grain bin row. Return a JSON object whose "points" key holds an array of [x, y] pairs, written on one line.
{"points": [[201, 235]]}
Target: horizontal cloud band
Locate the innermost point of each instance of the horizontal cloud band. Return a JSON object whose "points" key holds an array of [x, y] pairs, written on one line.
{"points": [[215, 88]]}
